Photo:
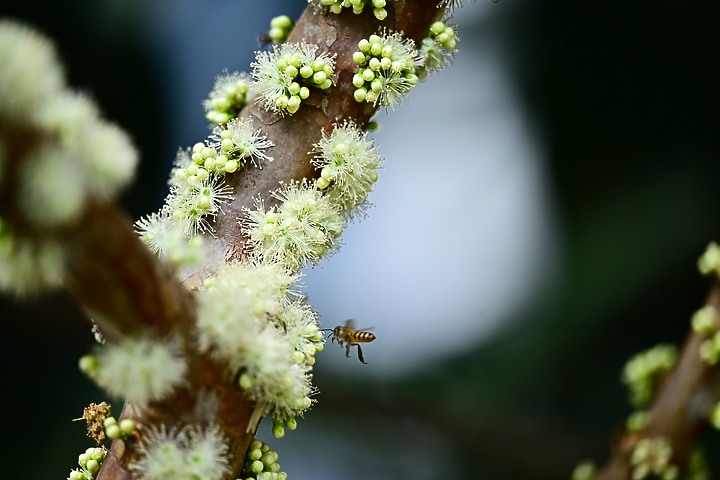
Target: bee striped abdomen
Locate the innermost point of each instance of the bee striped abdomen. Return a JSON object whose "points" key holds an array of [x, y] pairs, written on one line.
{"points": [[363, 337]]}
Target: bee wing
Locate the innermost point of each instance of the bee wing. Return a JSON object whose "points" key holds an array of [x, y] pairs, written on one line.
{"points": [[350, 323]]}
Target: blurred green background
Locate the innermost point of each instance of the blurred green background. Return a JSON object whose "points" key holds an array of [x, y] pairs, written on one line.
{"points": [[623, 99]]}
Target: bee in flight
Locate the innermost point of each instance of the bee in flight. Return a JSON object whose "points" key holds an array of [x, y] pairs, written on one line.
{"points": [[351, 337]]}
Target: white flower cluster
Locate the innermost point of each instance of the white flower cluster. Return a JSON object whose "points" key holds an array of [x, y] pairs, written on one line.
{"points": [[140, 370], [283, 77], [70, 157], [228, 96], [198, 190], [336, 6], [386, 68], [437, 49], [305, 225], [182, 454], [250, 318]]}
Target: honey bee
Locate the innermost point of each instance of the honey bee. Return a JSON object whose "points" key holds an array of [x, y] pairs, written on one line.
{"points": [[351, 337]]}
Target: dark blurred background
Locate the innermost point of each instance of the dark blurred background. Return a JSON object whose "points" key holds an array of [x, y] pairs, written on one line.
{"points": [[613, 108]]}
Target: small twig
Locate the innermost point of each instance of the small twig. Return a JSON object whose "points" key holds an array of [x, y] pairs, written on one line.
{"points": [[680, 409]]}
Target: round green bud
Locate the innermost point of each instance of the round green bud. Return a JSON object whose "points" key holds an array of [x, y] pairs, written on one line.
{"points": [[378, 3], [371, 96], [310, 361], [92, 466], [225, 134], [367, 76], [360, 94], [256, 466], [109, 421], [127, 426], [113, 432], [326, 84], [245, 381], [207, 152], [298, 357], [265, 447], [291, 423], [281, 21], [385, 63], [256, 445], [209, 164], [306, 71], [202, 174], [319, 77], [77, 475], [255, 454], [303, 403], [358, 80], [322, 183], [437, 27], [376, 85], [278, 431], [197, 147], [705, 320], [282, 476], [291, 71], [374, 63], [387, 51], [380, 14], [276, 34], [83, 458], [363, 45], [337, 8], [294, 102], [281, 101], [269, 459], [328, 69], [220, 104], [374, 39], [359, 58], [231, 166], [227, 145], [304, 92], [715, 416], [294, 88], [376, 49], [88, 364]]}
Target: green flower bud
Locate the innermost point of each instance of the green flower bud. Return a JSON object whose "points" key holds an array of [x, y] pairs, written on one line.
{"points": [[113, 432], [127, 426]]}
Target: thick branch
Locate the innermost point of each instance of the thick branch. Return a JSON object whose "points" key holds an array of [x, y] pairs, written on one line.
{"points": [[680, 409], [128, 292], [295, 135]]}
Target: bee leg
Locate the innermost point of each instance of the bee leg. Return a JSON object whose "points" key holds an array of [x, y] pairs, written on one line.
{"points": [[360, 354], [347, 349]]}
